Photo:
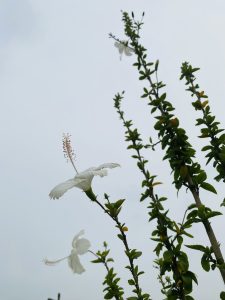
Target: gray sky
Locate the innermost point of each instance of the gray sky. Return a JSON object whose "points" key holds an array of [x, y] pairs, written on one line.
{"points": [[58, 73]]}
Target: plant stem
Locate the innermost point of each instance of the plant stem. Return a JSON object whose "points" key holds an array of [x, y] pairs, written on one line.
{"points": [[209, 230]]}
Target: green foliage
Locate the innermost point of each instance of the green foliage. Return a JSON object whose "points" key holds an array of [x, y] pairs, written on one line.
{"points": [[186, 171], [112, 289], [173, 259], [114, 208], [211, 130]]}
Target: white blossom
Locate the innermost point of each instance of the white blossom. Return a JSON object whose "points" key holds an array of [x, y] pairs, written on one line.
{"points": [[122, 48], [82, 180], [80, 246]]}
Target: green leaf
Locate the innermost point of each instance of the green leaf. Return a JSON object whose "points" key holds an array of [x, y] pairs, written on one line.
{"points": [[222, 138], [196, 247], [118, 203], [189, 298], [206, 148], [191, 206], [120, 236], [131, 282], [172, 297], [183, 262], [205, 263], [212, 214], [222, 295], [223, 203], [193, 276], [187, 280], [201, 177], [109, 295], [137, 254], [96, 261], [208, 187], [158, 248], [168, 256]]}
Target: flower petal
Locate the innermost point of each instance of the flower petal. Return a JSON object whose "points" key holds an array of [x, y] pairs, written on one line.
{"points": [[77, 237], [74, 263], [108, 165], [82, 245], [119, 46], [100, 173], [128, 51], [83, 180], [61, 188]]}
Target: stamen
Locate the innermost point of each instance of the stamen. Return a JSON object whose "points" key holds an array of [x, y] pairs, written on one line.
{"points": [[68, 150]]}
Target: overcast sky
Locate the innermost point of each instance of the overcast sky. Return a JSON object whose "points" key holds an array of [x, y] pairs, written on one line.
{"points": [[59, 72]]}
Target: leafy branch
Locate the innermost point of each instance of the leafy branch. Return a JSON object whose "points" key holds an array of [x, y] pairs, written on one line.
{"points": [[211, 130], [113, 290], [174, 140], [113, 210], [173, 258]]}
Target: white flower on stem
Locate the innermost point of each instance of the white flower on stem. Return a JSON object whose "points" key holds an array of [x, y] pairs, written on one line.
{"points": [[123, 48], [80, 246], [83, 179]]}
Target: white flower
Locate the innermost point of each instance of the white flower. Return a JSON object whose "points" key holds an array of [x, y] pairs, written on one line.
{"points": [[81, 180], [123, 49], [80, 246]]}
